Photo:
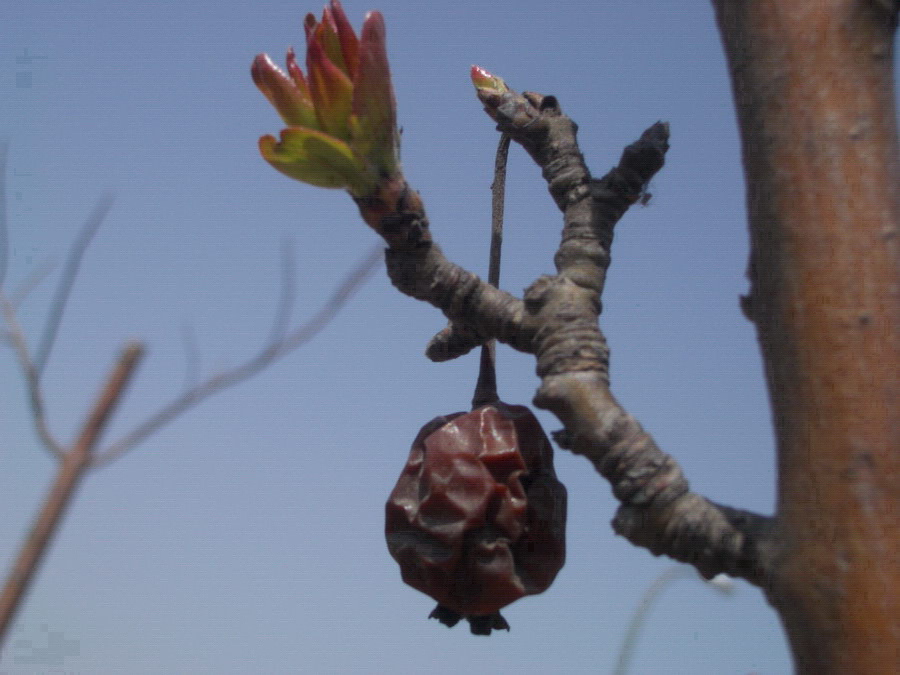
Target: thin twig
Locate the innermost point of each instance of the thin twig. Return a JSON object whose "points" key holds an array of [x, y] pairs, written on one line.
{"points": [[43, 270], [486, 387], [4, 229], [71, 469], [498, 197], [268, 354], [191, 356], [280, 322], [34, 278], [67, 279], [32, 377], [629, 642], [642, 611], [287, 292]]}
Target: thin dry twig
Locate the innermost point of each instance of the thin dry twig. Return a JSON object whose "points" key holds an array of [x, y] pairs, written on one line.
{"points": [[271, 352], [498, 202], [32, 377], [73, 462], [4, 231], [191, 356], [286, 294], [651, 595], [71, 468], [14, 333], [34, 279], [67, 280], [486, 386]]}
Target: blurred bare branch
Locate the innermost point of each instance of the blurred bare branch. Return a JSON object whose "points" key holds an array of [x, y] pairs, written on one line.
{"points": [[13, 331], [271, 352], [286, 295], [37, 275], [71, 467], [4, 230], [721, 583], [32, 376], [67, 279], [74, 461], [191, 356]]}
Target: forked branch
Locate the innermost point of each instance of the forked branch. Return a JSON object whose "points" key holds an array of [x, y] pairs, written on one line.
{"points": [[76, 460], [557, 321]]}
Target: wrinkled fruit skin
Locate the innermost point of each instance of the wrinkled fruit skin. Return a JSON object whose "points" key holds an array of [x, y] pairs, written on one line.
{"points": [[477, 518]]}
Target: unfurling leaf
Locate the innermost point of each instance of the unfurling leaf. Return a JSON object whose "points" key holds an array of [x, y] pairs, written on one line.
{"points": [[345, 95]]}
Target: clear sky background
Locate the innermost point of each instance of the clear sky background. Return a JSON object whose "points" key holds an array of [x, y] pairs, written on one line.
{"points": [[247, 536]]}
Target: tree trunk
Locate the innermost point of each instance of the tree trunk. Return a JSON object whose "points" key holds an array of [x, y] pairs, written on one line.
{"points": [[812, 83]]}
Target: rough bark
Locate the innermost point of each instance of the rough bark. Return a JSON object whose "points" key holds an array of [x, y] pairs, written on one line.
{"points": [[812, 83]]}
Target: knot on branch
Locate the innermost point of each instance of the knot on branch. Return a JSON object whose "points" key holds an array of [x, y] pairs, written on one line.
{"points": [[480, 313], [453, 341], [624, 185], [647, 155], [567, 339], [639, 472]]}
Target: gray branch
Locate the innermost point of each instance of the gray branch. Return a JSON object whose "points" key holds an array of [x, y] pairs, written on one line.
{"points": [[557, 321]]}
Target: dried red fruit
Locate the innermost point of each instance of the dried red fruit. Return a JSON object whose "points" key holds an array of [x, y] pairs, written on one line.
{"points": [[477, 518]]}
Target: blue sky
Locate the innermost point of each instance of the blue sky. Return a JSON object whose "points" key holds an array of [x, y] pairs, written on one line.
{"points": [[246, 537]]}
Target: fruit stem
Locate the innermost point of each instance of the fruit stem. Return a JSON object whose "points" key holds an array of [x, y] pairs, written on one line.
{"points": [[486, 387]]}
